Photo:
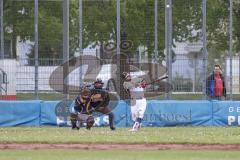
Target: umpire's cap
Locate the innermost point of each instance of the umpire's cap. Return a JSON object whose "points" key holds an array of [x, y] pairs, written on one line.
{"points": [[98, 81], [98, 84]]}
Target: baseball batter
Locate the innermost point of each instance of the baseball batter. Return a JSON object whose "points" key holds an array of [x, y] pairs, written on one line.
{"points": [[135, 87]]}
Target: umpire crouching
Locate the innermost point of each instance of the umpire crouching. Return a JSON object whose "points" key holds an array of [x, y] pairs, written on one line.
{"points": [[82, 110], [100, 100]]}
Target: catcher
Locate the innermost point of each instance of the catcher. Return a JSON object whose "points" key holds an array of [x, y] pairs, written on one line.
{"points": [[99, 101], [82, 110]]}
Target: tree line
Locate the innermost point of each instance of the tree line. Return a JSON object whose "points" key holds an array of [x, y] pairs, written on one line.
{"points": [[137, 25]]}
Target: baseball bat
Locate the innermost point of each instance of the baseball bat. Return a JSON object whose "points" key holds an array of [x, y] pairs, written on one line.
{"points": [[157, 80]]}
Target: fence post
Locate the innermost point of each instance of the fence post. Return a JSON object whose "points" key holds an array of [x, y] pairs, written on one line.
{"points": [[155, 30], [118, 83], [205, 54], [1, 30], [36, 47], [238, 73], [80, 40], [168, 41], [155, 59], [230, 46], [65, 47]]}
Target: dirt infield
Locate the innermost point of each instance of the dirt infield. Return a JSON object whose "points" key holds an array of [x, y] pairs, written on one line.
{"points": [[124, 146]]}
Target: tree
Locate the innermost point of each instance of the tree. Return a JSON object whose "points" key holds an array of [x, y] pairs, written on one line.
{"points": [[50, 31], [15, 14], [19, 22], [187, 26], [99, 24]]}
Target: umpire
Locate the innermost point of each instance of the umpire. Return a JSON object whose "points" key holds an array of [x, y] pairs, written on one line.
{"points": [[100, 100]]}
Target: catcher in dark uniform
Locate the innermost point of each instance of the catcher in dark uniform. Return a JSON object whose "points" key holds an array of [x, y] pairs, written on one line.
{"points": [[82, 110], [99, 101]]}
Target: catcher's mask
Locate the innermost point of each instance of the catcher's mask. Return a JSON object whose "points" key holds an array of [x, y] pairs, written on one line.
{"points": [[85, 93], [98, 84]]}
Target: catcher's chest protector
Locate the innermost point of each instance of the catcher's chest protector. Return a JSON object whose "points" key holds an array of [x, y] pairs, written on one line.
{"points": [[104, 97]]}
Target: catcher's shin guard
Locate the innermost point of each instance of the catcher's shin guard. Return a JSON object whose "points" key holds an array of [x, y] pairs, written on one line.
{"points": [[90, 122], [111, 119], [73, 119]]}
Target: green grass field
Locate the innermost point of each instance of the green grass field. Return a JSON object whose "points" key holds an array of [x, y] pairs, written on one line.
{"points": [[117, 155], [180, 135], [58, 96]]}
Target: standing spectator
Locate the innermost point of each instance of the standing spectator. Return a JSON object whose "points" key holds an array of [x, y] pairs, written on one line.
{"points": [[215, 84]]}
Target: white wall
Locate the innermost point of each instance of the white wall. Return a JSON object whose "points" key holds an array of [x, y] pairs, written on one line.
{"points": [[9, 66], [235, 73]]}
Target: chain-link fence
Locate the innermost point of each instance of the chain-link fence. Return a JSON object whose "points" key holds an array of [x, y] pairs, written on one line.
{"points": [[184, 37]]}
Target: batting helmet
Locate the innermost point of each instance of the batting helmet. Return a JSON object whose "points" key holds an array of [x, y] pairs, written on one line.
{"points": [[125, 75]]}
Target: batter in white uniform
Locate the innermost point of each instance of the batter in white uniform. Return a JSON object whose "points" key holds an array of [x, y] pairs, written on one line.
{"points": [[135, 87]]}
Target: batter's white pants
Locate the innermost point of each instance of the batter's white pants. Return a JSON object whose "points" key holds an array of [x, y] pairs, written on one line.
{"points": [[138, 109]]}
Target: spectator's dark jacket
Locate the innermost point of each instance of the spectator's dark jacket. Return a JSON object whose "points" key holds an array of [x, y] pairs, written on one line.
{"points": [[210, 84]]}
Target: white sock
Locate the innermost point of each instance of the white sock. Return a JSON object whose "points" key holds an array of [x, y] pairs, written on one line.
{"points": [[135, 124]]}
